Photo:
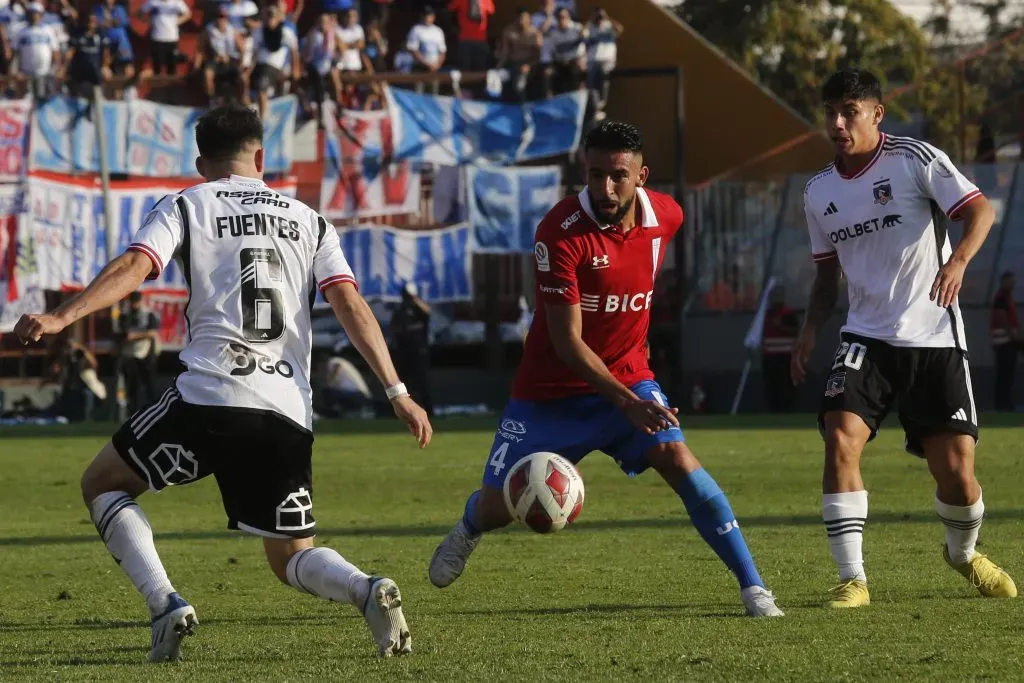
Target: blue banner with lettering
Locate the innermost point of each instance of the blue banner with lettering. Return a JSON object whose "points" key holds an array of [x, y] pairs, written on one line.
{"points": [[142, 138], [507, 204], [384, 259], [451, 132]]}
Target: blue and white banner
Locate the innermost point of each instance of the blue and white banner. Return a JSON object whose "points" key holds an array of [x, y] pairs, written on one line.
{"points": [[452, 132], [383, 259], [64, 136], [143, 138], [507, 204]]}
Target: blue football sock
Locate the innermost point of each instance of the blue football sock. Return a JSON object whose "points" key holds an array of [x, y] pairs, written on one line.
{"points": [[711, 513], [469, 515]]}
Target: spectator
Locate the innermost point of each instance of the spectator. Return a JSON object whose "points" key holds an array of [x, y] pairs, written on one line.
{"points": [[13, 18], [351, 41], [602, 34], [73, 367], [376, 51], [62, 18], [164, 17], [426, 44], [88, 58], [410, 336], [520, 53], [220, 54], [565, 42], [473, 51], [293, 10], [242, 13], [778, 339], [320, 54], [337, 7], [140, 346], [277, 52], [37, 53], [114, 22], [544, 21]]}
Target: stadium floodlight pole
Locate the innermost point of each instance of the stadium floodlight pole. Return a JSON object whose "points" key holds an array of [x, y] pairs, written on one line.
{"points": [[101, 139]]}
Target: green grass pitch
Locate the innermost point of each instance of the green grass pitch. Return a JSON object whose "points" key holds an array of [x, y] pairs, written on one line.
{"points": [[629, 592]]}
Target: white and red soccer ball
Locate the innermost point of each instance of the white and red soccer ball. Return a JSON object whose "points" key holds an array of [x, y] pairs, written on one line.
{"points": [[544, 491]]}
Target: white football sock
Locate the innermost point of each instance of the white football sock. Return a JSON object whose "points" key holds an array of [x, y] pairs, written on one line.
{"points": [[845, 515], [962, 526], [124, 528], [323, 572]]}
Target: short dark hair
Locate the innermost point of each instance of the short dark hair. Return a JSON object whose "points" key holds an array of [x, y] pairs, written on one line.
{"points": [[615, 136], [224, 131], [852, 84]]}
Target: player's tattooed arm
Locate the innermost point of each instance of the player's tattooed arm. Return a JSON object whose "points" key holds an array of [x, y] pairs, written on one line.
{"points": [[118, 279], [824, 293]]}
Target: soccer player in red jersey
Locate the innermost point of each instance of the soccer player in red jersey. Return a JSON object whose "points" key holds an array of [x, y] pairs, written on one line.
{"points": [[584, 383]]}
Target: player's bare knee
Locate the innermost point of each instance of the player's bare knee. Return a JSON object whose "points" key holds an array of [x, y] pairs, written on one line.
{"points": [[108, 472], [279, 553]]}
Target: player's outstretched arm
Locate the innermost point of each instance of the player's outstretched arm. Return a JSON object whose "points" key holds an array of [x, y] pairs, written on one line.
{"points": [[118, 279], [363, 330], [824, 295], [978, 217], [565, 325]]}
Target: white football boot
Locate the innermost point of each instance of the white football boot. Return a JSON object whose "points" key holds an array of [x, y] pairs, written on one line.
{"points": [[760, 602], [450, 557], [176, 622], [383, 613]]}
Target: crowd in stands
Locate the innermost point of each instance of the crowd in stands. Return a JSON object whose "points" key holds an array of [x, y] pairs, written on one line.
{"points": [[251, 52]]}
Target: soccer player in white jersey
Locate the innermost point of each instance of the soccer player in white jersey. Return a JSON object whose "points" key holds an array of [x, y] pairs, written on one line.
{"points": [[240, 409], [875, 215]]}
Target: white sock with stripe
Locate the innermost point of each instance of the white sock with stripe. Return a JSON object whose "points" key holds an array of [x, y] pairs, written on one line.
{"points": [[962, 525], [326, 574], [845, 515], [124, 528]]}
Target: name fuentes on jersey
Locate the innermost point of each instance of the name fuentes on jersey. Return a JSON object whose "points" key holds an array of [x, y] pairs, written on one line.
{"points": [[252, 224], [250, 197]]}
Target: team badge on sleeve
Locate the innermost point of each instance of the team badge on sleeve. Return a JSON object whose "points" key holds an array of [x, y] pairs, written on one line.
{"points": [[543, 260]]}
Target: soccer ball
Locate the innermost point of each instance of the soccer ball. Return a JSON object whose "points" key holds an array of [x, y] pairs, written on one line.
{"points": [[544, 491]]}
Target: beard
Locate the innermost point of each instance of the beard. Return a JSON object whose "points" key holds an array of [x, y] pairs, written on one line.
{"points": [[613, 217]]}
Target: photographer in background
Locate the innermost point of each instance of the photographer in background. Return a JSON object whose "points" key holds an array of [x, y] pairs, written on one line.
{"points": [[140, 346]]}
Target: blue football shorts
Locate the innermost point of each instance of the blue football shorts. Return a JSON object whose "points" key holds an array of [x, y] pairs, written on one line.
{"points": [[573, 427]]}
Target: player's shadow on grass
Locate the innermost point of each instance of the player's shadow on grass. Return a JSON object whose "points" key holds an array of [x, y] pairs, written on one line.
{"points": [[682, 610], [103, 624], [583, 526]]}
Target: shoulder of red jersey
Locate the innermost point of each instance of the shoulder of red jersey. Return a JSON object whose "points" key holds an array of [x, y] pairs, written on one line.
{"points": [[666, 208], [566, 214]]}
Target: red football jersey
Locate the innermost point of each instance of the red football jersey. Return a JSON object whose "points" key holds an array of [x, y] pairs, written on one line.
{"points": [[611, 276]]}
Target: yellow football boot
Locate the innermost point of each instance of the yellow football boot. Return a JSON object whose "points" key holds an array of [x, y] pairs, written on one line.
{"points": [[990, 580], [852, 593]]}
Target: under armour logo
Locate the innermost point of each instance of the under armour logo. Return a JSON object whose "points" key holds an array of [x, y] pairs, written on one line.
{"points": [[729, 526], [601, 261]]}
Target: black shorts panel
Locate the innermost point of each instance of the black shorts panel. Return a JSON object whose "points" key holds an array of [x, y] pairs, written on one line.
{"points": [[261, 461], [931, 386]]}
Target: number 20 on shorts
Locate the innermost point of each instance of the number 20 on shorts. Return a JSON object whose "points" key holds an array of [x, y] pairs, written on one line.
{"points": [[850, 356]]}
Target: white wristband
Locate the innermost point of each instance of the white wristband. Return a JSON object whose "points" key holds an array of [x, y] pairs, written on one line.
{"points": [[396, 390]]}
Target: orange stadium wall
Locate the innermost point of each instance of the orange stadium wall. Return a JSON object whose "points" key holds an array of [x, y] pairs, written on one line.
{"points": [[733, 125]]}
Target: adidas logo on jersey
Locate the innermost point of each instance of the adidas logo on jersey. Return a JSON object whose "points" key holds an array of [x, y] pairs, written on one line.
{"points": [[831, 209]]}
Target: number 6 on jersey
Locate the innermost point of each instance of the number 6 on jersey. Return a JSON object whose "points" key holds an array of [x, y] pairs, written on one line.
{"points": [[262, 304]]}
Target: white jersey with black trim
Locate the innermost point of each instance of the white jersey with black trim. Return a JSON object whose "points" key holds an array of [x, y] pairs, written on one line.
{"points": [[883, 225], [252, 260]]}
